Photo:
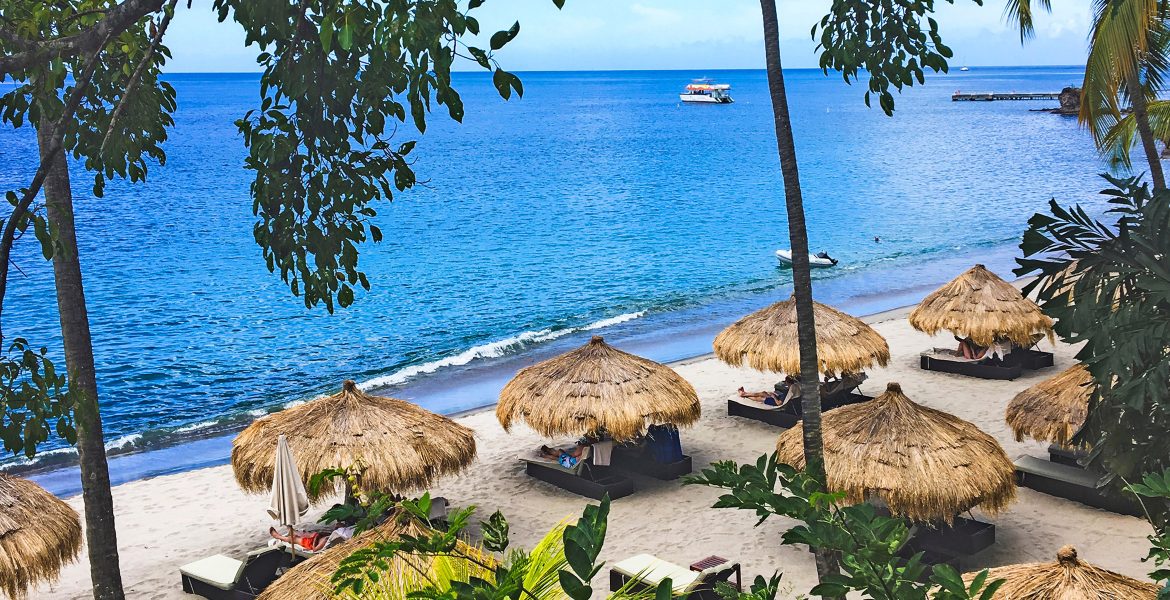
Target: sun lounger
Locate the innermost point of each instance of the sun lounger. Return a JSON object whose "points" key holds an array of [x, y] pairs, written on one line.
{"points": [[945, 360], [1032, 359], [583, 478], [649, 572], [1071, 482], [929, 558], [658, 454], [1066, 456], [964, 537], [788, 415], [222, 577]]}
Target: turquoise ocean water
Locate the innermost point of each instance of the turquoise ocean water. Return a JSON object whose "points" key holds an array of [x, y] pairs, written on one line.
{"points": [[596, 205]]}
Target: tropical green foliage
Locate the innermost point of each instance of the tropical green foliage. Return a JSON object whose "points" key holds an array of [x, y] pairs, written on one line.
{"points": [[1107, 285], [867, 543], [1156, 486], [893, 41], [34, 400], [560, 566], [338, 78]]}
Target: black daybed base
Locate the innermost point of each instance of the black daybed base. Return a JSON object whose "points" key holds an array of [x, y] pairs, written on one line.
{"points": [[636, 460], [964, 537], [584, 479], [945, 361], [788, 415], [1072, 483]]}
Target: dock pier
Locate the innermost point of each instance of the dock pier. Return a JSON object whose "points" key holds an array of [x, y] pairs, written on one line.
{"points": [[990, 96]]}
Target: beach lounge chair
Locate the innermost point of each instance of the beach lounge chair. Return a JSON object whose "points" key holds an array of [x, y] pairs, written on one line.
{"points": [[834, 394], [658, 455], [222, 577], [963, 537], [945, 360], [583, 478], [649, 571], [1071, 482]]}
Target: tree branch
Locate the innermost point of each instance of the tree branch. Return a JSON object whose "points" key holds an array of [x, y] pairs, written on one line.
{"points": [[34, 188], [146, 58], [34, 52]]}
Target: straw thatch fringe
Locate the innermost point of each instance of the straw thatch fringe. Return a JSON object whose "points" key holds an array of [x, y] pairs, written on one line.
{"points": [[597, 387], [1053, 410], [925, 464], [981, 306], [1066, 579], [767, 341], [310, 580], [39, 534], [399, 445]]}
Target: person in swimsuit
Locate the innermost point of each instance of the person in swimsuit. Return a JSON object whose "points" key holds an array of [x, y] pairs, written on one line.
{"points": [[773, 398], [568, 457], [309, 540]]}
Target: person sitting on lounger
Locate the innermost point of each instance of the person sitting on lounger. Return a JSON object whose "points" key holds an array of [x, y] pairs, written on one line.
{"points": [[776, 398], [313, 541], [969, 349]]}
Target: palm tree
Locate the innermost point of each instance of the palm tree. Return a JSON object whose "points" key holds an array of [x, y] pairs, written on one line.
{"points": [[814, 455], [1128, 55]]}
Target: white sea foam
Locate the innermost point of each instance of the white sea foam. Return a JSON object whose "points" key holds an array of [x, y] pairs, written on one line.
{"points": [[196, 426], [493, 350], [614, 321], [122, 442]]}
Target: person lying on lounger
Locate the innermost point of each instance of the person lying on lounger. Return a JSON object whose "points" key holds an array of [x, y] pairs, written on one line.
{"points": [[568, 457], [313, 541], [775, 398]]}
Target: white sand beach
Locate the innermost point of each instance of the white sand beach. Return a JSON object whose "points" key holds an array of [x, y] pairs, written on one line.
{"points": [[167, 521]]}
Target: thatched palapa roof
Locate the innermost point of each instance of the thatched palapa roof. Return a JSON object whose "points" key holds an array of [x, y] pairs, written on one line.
{"points": [[1066, 579], [981, 306], [1053, 410], [39, 534], [597, 387], [925, 464], [311, 580], [766, 340], [399, 445]]}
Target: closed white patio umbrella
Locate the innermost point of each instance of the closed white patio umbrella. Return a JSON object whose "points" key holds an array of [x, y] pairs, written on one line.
{"points": [[290, 500]]}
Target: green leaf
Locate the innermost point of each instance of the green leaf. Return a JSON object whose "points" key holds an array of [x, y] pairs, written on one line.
{"points": [[500, 38]]}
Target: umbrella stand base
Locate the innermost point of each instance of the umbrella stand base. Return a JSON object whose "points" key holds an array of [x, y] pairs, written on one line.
{"points": [[603, 481], [1072, 483]]}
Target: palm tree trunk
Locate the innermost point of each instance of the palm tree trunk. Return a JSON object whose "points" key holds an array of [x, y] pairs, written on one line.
{"points": [[95, 476], [1137, 99], [814, 454]]}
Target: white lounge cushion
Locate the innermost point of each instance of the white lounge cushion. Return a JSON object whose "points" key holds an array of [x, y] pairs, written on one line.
{"points": [[219, 571], [651, 571]]}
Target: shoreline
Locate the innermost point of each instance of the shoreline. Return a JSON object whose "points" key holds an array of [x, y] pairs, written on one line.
{"points": [[65, 478]]}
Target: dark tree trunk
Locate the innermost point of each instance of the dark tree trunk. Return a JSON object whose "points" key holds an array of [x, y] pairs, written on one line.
{"points": [[1137, 99], [95, 476], [814, 454]]}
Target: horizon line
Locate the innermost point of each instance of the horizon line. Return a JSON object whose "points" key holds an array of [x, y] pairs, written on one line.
{"points": [[475, 71]]}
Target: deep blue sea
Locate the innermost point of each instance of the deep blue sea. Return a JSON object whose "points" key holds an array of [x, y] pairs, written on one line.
{"points": [[596, 205]]}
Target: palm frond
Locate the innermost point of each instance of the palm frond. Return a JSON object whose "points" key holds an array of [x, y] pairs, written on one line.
{"points": [[1120, 42], [1020, 12], [1122, 136]]}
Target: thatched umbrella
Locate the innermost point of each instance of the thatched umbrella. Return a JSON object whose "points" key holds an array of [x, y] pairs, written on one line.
{"points": [[981, 306], [1066, 579], [597, 387], [1053, 410], [766, 340], [311, 580], [924, 464], [39, 534], [398, 445]]}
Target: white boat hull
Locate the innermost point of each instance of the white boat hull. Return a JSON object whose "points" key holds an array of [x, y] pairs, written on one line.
{"points": [[814, 261], [704, 99]]}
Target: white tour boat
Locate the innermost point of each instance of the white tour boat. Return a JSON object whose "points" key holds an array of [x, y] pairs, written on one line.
{"points": [[820, 260], [706, 91]]}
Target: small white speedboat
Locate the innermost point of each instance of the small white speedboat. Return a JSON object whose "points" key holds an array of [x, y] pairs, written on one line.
{"points": [[820, 260]]}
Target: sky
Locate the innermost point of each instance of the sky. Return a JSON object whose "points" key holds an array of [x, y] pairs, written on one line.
{"points": [[673, 34]]}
